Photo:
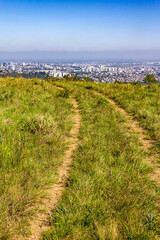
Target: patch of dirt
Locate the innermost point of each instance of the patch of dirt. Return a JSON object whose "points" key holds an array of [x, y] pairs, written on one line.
{"points": [[147, 143], [41, 222]]}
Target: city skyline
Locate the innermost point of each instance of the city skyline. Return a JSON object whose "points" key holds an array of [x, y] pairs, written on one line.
{"points": [[81, 26], [98, 72]]}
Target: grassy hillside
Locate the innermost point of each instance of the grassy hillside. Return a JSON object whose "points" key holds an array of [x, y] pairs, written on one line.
{"points": [[109, 195], [142, 101], [35, 120]]}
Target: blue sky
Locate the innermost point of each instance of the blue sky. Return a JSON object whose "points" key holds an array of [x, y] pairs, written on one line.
{"points": [[79, 25]]}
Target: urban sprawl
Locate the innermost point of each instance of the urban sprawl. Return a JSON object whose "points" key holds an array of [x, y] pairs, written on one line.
{"points": [[109, 72]]}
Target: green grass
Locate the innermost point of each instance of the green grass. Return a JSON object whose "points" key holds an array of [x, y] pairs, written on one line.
{"points": [[35, 120], [109, 195], [141, 101]]}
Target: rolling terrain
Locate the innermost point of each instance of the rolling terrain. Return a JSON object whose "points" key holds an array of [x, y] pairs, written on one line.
{"points": [[79, 160]]}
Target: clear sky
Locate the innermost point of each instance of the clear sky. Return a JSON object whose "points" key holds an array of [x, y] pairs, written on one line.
{"points": [[45, 25]]}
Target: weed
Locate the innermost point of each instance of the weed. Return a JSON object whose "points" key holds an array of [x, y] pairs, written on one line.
{"points": [[108, 192], [63, 93], [34, 124]]}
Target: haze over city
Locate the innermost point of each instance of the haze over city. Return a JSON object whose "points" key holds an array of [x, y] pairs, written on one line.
{"points": [[79, 29]]}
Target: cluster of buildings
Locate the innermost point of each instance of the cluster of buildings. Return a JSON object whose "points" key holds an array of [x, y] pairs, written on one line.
{"points": [[109, 72], [53, 70]]}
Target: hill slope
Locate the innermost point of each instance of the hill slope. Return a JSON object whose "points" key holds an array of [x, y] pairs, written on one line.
{"points": [[109, 193]]}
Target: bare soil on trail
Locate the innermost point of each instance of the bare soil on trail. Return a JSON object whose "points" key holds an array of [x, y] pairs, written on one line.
{"points": [[147, 143], [41, 222]]}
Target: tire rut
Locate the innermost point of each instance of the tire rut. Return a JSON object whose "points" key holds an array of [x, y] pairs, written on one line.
{"points": [[147, 143], [41, 221]]}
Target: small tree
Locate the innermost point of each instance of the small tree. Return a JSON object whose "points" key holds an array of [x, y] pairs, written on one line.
{"points": [[149, 78], [117, 81], [86, 79]]}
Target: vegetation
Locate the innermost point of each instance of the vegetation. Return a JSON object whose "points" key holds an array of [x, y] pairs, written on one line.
{"points": [[149, 78], [109, 194], [31, 75], [141, 101], [34, 124]]}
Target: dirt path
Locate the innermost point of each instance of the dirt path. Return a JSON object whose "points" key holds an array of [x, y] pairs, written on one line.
{"points": [[41, 222], [147, 143]]}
